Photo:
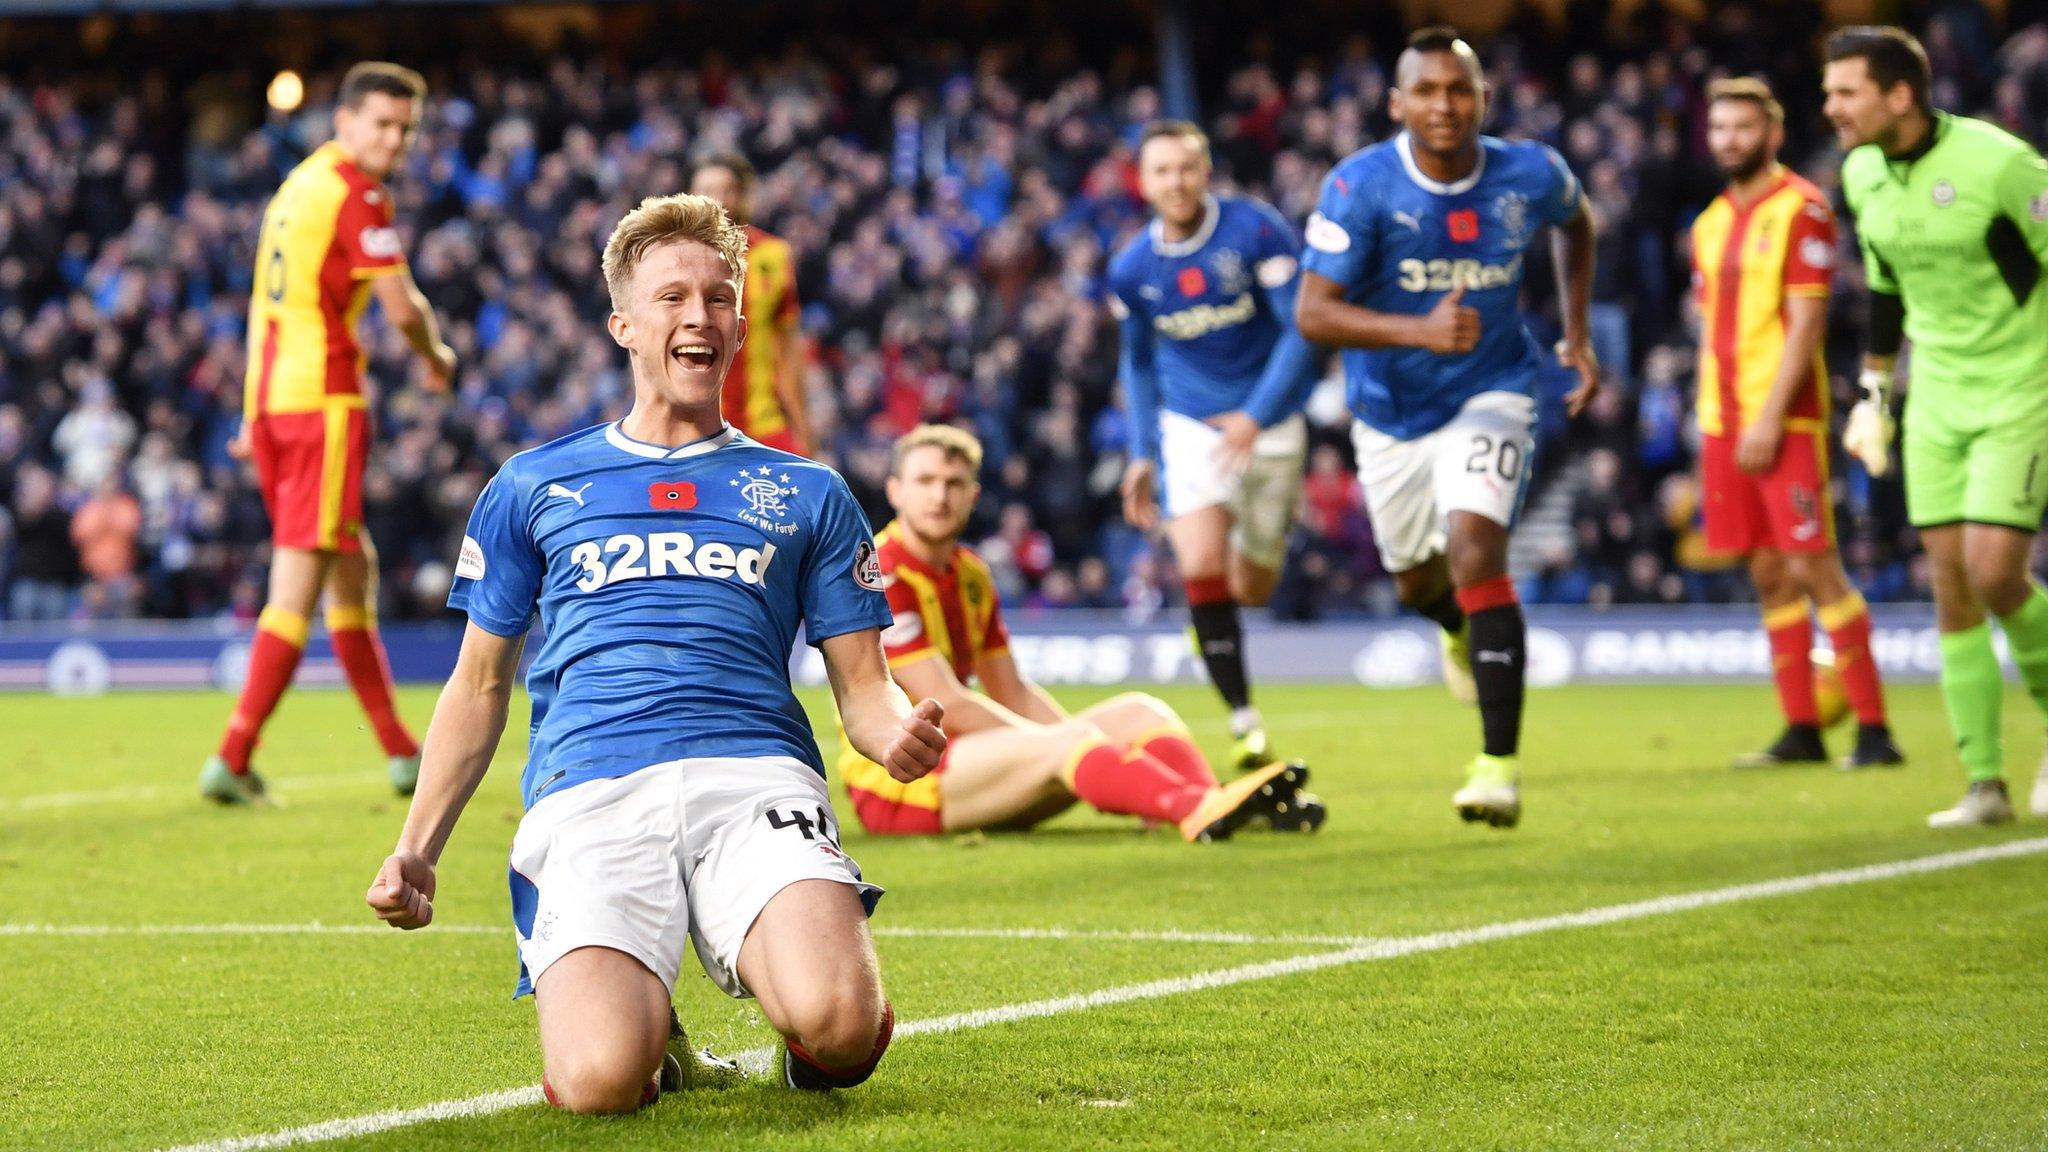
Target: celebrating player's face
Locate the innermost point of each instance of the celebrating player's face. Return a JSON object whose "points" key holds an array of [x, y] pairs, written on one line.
{"points": [[1440, 99], [933, 493], [1741, 137], [681, 323], [377, 132], [1861, 112], [1173, 175]]}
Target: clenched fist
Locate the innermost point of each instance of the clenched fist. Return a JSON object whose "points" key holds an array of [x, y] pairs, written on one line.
{"points": [[402, 895], [917, 747]]}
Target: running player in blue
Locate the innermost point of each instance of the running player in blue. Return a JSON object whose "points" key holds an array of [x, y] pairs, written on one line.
{"points": [[1214, 378], [673, 790], [1414, 267]]}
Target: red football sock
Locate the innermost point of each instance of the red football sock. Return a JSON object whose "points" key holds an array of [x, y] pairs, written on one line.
{"points": [[1138, 786], [361, 652], [273, 658], [1171, 747], [1792, 661], [1848, 623]]}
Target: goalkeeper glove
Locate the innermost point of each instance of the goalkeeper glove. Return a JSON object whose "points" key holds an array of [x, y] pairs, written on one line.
{"points": [[1868, 434]]}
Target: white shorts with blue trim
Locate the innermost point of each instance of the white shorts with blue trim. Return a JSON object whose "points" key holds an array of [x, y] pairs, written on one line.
{"points": [[1479, 462], [686, 849], [1262, 499]]}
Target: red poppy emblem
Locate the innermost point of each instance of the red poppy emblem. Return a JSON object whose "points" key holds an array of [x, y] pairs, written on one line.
{"points": [[672, 497], [1192, 282], [1463, 225]]}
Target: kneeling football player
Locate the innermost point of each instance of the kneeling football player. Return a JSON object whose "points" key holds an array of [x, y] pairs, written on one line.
{"points": [[1016, 757], [670, 561]]}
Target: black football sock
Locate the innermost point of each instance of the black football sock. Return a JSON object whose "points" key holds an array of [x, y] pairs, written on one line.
{"points": [[1500, 658], [1443, 609], [1220, 637]]}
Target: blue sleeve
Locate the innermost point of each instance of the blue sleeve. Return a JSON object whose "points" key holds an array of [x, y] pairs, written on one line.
{"points": [[1560, 199], [841, 582], [498, 575], [1138, 368], [1340, 233], [1290, 376]]}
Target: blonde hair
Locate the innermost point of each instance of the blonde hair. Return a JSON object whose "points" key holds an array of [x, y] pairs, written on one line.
{"points": [[956, 443], [1747, 88], [664, 220]]}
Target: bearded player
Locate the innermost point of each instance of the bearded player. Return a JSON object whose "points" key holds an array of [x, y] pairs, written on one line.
{"points": [[766, 400], [1414, 268], [670, 562], [1763, 254], [328, 247], [1214, 375], [1016, 757], [1952, 216]]}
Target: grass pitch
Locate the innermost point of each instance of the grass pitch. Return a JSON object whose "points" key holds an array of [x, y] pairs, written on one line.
{"points": [[176, 973]]}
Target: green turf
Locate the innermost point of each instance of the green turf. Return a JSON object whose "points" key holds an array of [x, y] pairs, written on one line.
{"points": [[1905, 1013]]}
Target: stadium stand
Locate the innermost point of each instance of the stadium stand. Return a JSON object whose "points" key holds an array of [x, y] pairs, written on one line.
{"points": [[950, 207]]}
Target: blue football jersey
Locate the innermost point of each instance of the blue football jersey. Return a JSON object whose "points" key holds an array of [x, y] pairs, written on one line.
{"points": [[1397, 241], [669, 584], [1208, 322]]}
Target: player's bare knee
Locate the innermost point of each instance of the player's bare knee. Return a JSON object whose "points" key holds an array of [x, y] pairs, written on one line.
{"points": [[595, 1082], [836, 1027], [1999, 587]]}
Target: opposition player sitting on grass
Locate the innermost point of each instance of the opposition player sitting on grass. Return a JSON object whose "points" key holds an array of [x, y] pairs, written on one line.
{"points": [[1952, 216], [673, 789], [327, 247], [1215, 377], [1763, 253], [1414, 268], [1016, 756]]}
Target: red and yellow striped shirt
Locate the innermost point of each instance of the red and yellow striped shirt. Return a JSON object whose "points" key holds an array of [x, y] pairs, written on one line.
{"points": [[1747, 261], [950, 613], [326, 234], [750, 402]]}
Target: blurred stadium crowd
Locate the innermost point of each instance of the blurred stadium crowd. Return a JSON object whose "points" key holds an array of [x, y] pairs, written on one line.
{"points": [[952, 211]]}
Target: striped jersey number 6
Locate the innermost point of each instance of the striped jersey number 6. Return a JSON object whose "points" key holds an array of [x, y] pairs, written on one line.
{"points": [[273, 264]]}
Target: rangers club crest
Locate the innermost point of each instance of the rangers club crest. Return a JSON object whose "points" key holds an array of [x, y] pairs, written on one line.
{"points": [[1511, 209], [1229, 269], [764, 492]]}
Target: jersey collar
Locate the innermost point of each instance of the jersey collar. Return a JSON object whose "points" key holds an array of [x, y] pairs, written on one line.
{"points": [[908, 559], [712, 443], [1937, 126], [1407, 154], [1211, 212]]}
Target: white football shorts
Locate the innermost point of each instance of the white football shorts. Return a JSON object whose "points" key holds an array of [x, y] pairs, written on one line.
{"points": [[689, 848], [1479, 462], [1262, 499]]}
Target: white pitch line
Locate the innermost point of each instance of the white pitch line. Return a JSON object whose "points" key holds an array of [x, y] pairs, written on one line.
{"points": [[289, 786], [1161, 937], [1371, 950], [313, 929], [317, 928]]}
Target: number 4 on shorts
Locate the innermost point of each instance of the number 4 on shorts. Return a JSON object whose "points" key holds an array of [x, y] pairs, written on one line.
{"points": [[802, 822]]}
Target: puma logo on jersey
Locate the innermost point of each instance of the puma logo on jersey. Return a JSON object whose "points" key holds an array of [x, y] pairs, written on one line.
{"points": [[1202, 319], [565, 493], [1407, 221], [658, 554]]}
